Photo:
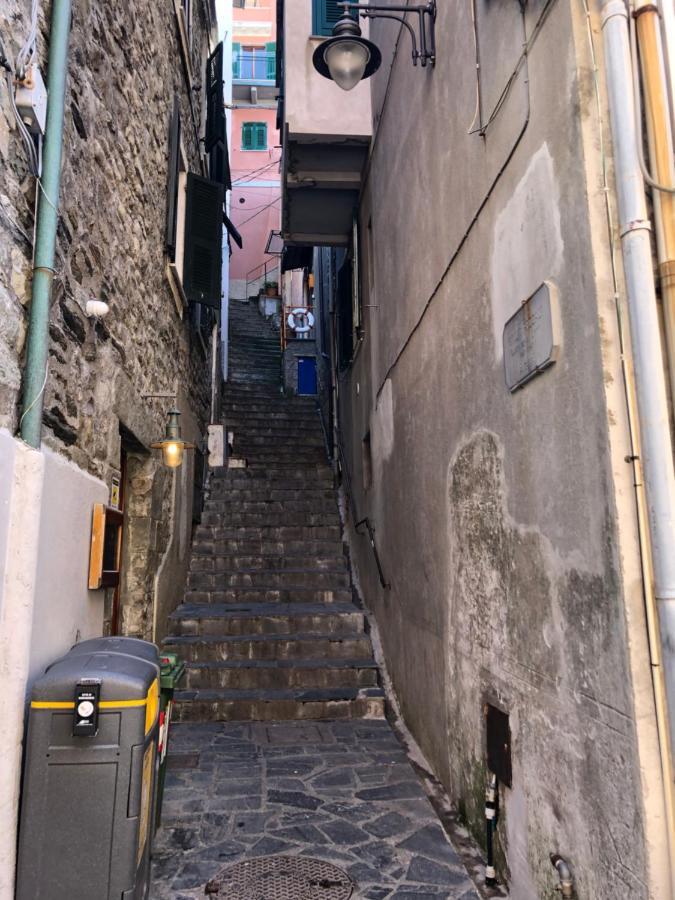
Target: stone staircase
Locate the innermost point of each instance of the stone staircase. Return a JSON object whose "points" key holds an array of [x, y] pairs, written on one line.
{"points": [[269, 628]]}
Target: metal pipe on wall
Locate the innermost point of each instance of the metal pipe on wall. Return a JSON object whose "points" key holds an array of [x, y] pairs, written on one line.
{"points": [[655, 437], [35, 377], [660, 141]]}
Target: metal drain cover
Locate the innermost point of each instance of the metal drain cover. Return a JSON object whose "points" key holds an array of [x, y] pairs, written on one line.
{"points": [[281, 878]]}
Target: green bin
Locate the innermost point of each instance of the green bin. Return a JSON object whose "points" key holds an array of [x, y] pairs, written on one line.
{"points": [[172, 670]]}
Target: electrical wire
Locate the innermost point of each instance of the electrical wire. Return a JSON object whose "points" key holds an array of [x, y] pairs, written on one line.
{"points": [[267, 206], [26, 55], [635, 66], [250, 175]]}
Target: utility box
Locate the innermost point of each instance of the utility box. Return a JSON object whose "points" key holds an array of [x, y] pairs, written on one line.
{"points": [[87, 807]]}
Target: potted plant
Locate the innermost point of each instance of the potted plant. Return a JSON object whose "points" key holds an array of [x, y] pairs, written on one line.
{"points": [[271, 288]]}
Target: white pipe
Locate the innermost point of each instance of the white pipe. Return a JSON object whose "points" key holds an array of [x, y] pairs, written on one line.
{"points": [[645, 332]]}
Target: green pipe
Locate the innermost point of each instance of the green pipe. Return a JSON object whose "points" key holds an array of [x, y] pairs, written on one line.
{"points": [[45, 228]]}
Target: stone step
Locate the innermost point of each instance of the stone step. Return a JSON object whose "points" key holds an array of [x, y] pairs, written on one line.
{"points": [[250, 547], [271, 430], [283, 578], [266, 533], [246, 438], [271, 520], [203, 593], [204, 648], [285, 454], [222, 491], [280, 705], [282, 476], [270, 507], [266, 618], [273, 674], [206, 561], [272, 415]]}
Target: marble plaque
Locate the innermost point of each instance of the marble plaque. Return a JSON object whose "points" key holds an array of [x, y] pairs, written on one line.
{"points": [[530, 338]]}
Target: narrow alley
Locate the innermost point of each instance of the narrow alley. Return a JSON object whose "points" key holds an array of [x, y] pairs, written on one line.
{"points": [[272, 632]]}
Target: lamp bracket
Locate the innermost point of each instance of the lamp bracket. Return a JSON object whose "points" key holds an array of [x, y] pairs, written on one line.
{"points": [[426, 13]]}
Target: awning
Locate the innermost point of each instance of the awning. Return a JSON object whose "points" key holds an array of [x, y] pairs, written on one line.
{"points": [[296, 258], [232, 231]]}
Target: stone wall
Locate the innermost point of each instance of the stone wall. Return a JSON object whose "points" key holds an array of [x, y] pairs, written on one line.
{"points": [[125, 64]]}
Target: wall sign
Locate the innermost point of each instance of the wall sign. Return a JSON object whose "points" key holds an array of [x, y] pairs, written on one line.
{"points": [[115, 492], [531, 341]]}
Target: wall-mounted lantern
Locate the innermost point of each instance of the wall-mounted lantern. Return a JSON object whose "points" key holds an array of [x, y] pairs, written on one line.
{"points": [[172, 445], [347, 57]]}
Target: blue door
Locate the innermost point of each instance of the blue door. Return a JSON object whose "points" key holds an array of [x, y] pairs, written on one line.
{"points": [[306, 375]]}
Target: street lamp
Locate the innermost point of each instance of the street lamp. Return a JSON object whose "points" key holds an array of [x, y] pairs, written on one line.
{"points": [[347, 57], [172, 445]]}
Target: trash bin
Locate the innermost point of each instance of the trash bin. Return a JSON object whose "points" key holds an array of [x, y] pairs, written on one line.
{"points": [[172, 670], [89, 777]]}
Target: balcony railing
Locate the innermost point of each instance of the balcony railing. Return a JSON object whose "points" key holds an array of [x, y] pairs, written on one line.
{"points": [[254, 67]]}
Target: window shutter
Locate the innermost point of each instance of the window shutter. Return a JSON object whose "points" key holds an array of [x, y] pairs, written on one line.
{"points": [[326, 14], [215, 101], [271, 50], [172, 186], [261, 136], [236, 60], [219, 165], [247, 136], [203, 241]]}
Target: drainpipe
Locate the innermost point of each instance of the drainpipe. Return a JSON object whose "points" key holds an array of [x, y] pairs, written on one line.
{"points": [[35, 377], [650, 379], [490, 822], [566, 887], [660, 141]]}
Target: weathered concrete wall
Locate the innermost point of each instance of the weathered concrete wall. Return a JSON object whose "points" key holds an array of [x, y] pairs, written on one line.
{"points": [[125, 65], [505, 522]]}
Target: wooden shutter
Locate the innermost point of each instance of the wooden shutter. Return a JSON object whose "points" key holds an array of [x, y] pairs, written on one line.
{"points": [[172, 185], [260, 136], [215, 101], [203, 241], [236, 60], [326, 14], [247, 136], [271, 50], [219, 165]]}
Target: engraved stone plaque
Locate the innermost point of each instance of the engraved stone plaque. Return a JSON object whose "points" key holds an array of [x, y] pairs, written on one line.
{"points": [[530, 338]]}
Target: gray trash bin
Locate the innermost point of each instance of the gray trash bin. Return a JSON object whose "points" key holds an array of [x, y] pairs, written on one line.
{"points": [[89, 778]]}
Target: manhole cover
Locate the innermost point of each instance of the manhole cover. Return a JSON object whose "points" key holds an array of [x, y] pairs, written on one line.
{"points": [[281, 878]]}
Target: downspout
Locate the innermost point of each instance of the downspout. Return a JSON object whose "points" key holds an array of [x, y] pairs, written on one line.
{"points": [[657, 116], [650, 379], [35, 377]]}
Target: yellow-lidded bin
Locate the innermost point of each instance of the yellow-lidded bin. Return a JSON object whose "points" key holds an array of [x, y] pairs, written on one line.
{"points": [[87, 806]]}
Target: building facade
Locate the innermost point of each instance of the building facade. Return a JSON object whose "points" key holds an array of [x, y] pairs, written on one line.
{"points": [[456, 205], [132, 329], [255, 146]]}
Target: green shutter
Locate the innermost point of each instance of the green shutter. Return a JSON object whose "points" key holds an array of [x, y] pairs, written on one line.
{"points": [[236, 60], [326, 14], [271, 50], [261, 136], [247, 136], [203, 241]]}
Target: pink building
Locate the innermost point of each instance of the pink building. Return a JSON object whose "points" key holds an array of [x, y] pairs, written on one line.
{"points": [[255, 150]]}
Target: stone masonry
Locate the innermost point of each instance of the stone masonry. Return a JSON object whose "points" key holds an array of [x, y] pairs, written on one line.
{"points": [[125, 64]]}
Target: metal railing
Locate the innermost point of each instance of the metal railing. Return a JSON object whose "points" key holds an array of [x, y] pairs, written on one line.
{"points": [[346, 477], [257, 277]]}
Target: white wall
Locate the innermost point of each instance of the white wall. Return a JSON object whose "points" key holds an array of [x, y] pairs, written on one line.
{"points": [[65, 610]]}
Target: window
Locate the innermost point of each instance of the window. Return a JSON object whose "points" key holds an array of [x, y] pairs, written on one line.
{"points": [[254, 136], [254, 63], [325, 15]]}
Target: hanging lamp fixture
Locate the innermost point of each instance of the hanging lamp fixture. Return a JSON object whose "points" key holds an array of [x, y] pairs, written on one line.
{"points": [[347, 57]]}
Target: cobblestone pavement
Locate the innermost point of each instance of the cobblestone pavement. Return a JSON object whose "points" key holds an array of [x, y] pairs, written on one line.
{"points": [[343, 792]]}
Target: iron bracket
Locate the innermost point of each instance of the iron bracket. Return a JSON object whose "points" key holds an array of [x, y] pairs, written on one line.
{"points": [[426, 13]]}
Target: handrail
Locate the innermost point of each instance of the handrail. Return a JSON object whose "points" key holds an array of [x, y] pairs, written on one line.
{"points": [[365, 521], [326, 443]]}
